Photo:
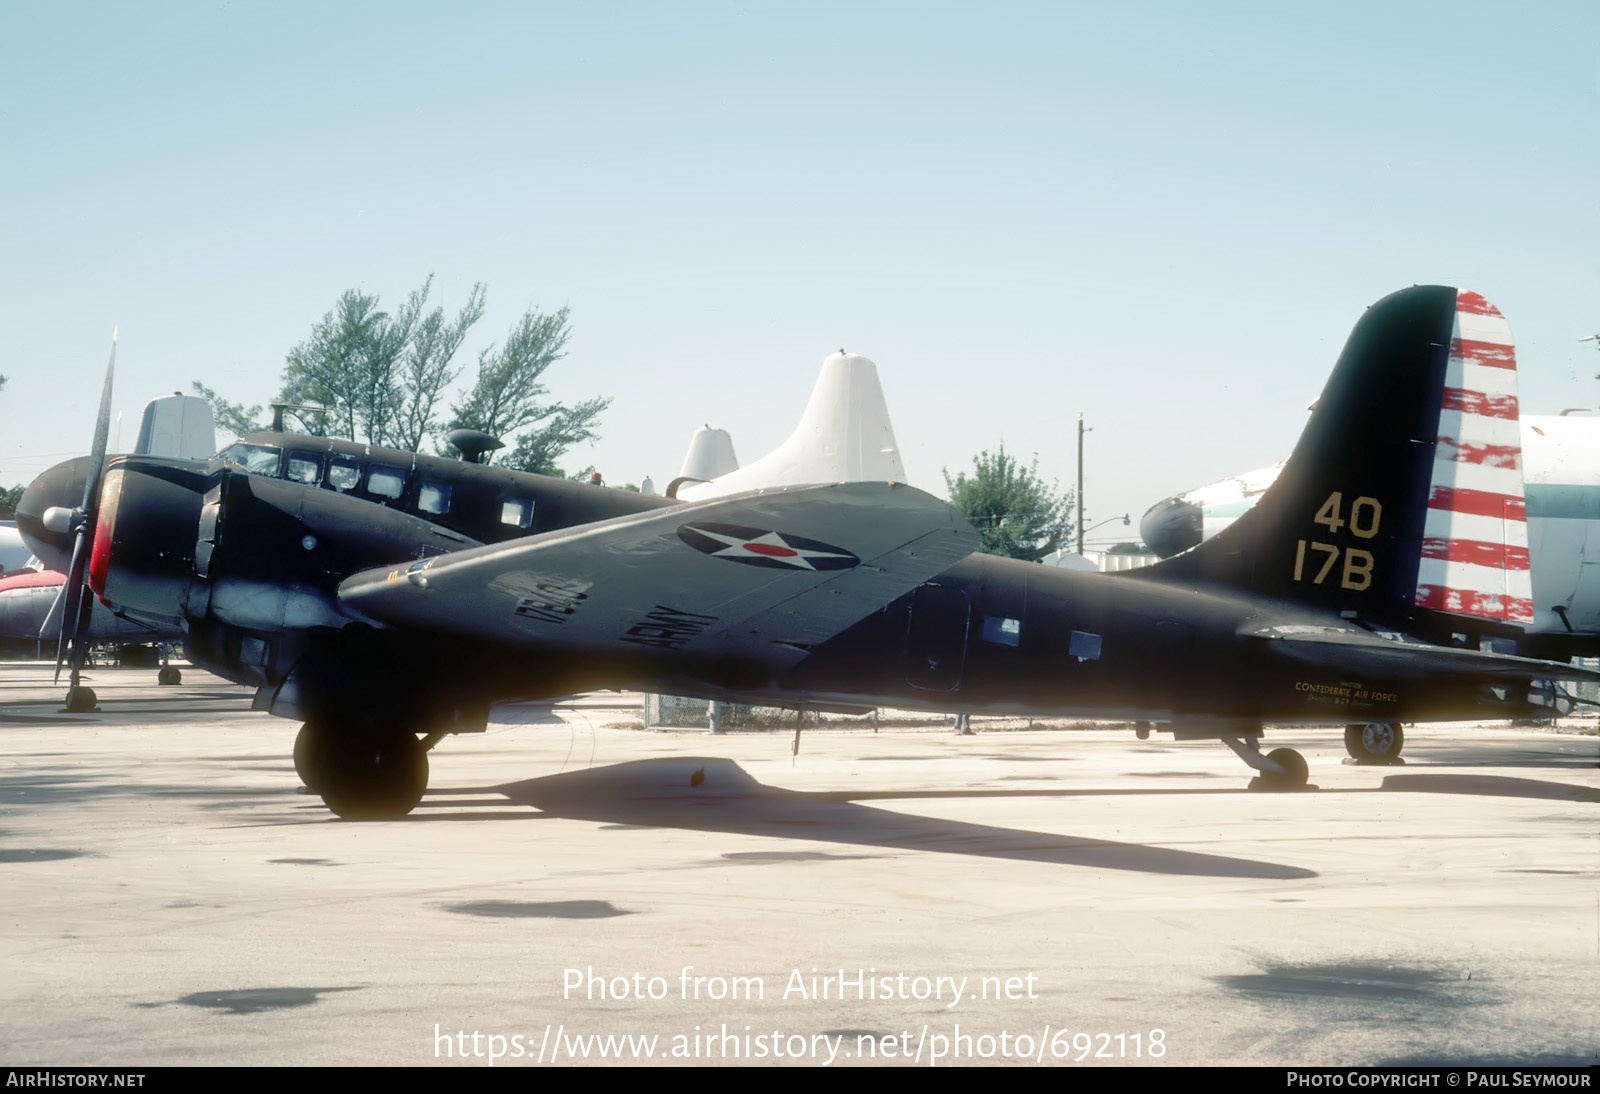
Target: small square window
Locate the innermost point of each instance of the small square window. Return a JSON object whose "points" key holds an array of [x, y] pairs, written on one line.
{"points": [[1002, 631], [304, 468], [517, 512], [344, 474], [433, 497], [1084, 646], [386, 482]]}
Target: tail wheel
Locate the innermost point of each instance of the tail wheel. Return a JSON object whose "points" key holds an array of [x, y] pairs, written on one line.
{"points": [[1296, 772], [1375, 742]]}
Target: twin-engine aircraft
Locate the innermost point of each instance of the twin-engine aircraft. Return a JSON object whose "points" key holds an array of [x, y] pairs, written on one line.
{"points": [[387, 599]]}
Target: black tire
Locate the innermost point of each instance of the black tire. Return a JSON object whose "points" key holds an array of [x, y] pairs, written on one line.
{"points": [[1374, 742], [80, 700], [1297, 771], [309, 748], [373, 778], [169, 676]]}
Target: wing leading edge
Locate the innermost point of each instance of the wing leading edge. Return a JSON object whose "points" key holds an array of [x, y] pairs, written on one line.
{"points": [[762, 576]]}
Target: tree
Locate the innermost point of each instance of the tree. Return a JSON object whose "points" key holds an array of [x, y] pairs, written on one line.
{"points": [[235, 419], [349, 365], [383, 378], [426, 368], [506, 397], [1017, 513]]}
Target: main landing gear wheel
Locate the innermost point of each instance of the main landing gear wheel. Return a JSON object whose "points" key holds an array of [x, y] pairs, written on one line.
{"points": [[80, 700], [310, 746], [1375, 742], [371, 777]]}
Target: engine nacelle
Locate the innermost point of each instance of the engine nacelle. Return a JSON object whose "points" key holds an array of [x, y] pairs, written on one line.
{"points": [[143, 556], [257, 559], [1172, 526]]}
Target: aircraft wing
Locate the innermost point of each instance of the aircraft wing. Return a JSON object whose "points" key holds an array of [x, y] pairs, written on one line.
{"points": [[1368, 653], [759, 577]]}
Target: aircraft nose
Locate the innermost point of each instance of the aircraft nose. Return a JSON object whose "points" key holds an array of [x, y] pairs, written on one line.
{"points": [[61, 486]]}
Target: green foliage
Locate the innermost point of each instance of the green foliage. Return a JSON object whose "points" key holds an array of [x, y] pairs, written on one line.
{"points": [[350, 365], [1017, 513], [383, 378], [506, 397], [232, 419], [9, 500], [1128, 549], [426, 369]]}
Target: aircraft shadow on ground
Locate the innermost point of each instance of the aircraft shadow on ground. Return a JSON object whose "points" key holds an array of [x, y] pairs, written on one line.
{"points": [[709, 794]]}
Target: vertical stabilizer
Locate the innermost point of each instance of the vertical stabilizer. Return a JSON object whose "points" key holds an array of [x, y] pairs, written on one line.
{"points": [[710, 455], [1404, 495], [179, 426], [843, 436]]}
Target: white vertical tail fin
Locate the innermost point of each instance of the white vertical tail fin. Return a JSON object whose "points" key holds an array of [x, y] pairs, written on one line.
{"points": [[843, 436]]}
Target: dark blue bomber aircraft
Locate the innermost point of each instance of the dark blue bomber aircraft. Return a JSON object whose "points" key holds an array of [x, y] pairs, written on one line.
{"points": [[386, 599]]}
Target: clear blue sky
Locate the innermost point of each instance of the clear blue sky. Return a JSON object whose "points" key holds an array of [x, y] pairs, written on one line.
{"points": [[1164, 217]]}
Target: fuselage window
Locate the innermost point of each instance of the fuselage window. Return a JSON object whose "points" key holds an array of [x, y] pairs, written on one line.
{"points": [[343, 474], [517, 512], [433, 497], [1002, 631], [304, 467], [386, 482], [258, 459]]}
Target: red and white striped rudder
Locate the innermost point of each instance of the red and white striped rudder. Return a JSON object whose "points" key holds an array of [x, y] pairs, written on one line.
{"points": [[1475, 540]]}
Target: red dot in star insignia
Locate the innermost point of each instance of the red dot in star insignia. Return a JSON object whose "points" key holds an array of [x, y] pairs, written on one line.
{"points": [[770, 549]]}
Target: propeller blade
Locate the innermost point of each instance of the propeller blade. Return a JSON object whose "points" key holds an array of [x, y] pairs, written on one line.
{"points": [[75, 615], [53, 618], [97, 455], [67, 641]]}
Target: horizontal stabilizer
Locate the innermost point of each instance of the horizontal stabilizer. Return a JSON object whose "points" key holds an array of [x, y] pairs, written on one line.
{"points": [[1370, 655]]}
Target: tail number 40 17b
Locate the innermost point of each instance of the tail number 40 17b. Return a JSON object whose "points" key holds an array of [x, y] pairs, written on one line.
{"points": [[1356, 573]]}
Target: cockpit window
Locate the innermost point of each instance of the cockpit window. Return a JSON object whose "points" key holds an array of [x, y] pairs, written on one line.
{"points": [[304, 467], [258, 459], [386, 482], [343, 474]]}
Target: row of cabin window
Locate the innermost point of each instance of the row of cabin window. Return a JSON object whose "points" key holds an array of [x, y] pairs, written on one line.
{"points": [[433, 498], [383, 481]]}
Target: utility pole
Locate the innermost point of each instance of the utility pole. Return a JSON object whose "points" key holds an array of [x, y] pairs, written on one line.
{"points": [[1081, 432]]}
